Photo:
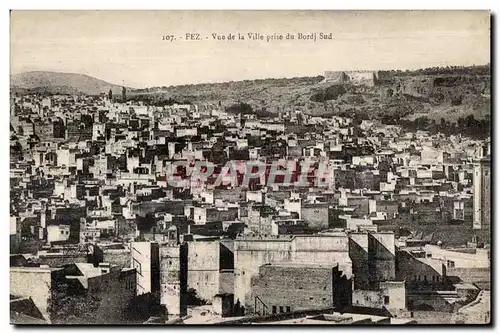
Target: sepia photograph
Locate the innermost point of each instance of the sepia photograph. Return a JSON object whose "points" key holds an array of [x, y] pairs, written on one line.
{"points": [[250, 167]]}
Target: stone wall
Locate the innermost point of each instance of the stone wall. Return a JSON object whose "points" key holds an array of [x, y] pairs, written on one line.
{"points": [[173, 278], [316, 215], [358, 252], [391, 295], [35, 283], [288, 288], [382, 256], [203, 268], [115, 291], [471, 275], [252, 252], [367, 78]]}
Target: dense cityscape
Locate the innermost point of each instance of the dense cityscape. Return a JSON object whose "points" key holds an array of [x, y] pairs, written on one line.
{"points": [[125, 212]]}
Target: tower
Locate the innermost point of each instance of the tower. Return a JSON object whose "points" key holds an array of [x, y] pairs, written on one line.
{"points": [[124, 94], [146, 261], [110, 95], [45, 216], [173, 278], [482, 193]]}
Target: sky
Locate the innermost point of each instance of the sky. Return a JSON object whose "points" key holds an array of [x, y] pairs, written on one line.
{"points": [[127, 47]]}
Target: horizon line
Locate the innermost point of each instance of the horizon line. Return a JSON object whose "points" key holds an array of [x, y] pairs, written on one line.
{"points": [[251, 79]]}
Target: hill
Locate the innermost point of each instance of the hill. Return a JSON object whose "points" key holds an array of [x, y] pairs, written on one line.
{"points": [[264, 95], [449, 93], [60, 83], [450, 99]]}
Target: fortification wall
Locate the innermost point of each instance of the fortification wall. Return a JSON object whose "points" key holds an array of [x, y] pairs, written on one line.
{"points": [[367, 78], [252, 252], [203, 268]]}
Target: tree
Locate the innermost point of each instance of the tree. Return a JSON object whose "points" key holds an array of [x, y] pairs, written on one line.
{"points": [[66, 306], [240, 108], [390, 92], [192, 298], [470, 121], [442, 123]]}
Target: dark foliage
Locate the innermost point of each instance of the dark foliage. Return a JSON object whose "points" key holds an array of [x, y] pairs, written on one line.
{"points": [[330, 93], [67, 306], [468, 126]]}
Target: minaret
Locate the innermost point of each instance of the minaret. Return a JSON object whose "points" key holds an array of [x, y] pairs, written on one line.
{"points": [[124, 94], [482, 193], [110, 95]]}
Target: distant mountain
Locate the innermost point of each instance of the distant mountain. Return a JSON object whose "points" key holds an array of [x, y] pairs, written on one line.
{"points": [[60, 83]]}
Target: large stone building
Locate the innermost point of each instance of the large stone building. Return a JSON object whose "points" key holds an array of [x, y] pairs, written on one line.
{"points": [[210, 268], [291, 287], [358, 78], [252, 252]]}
